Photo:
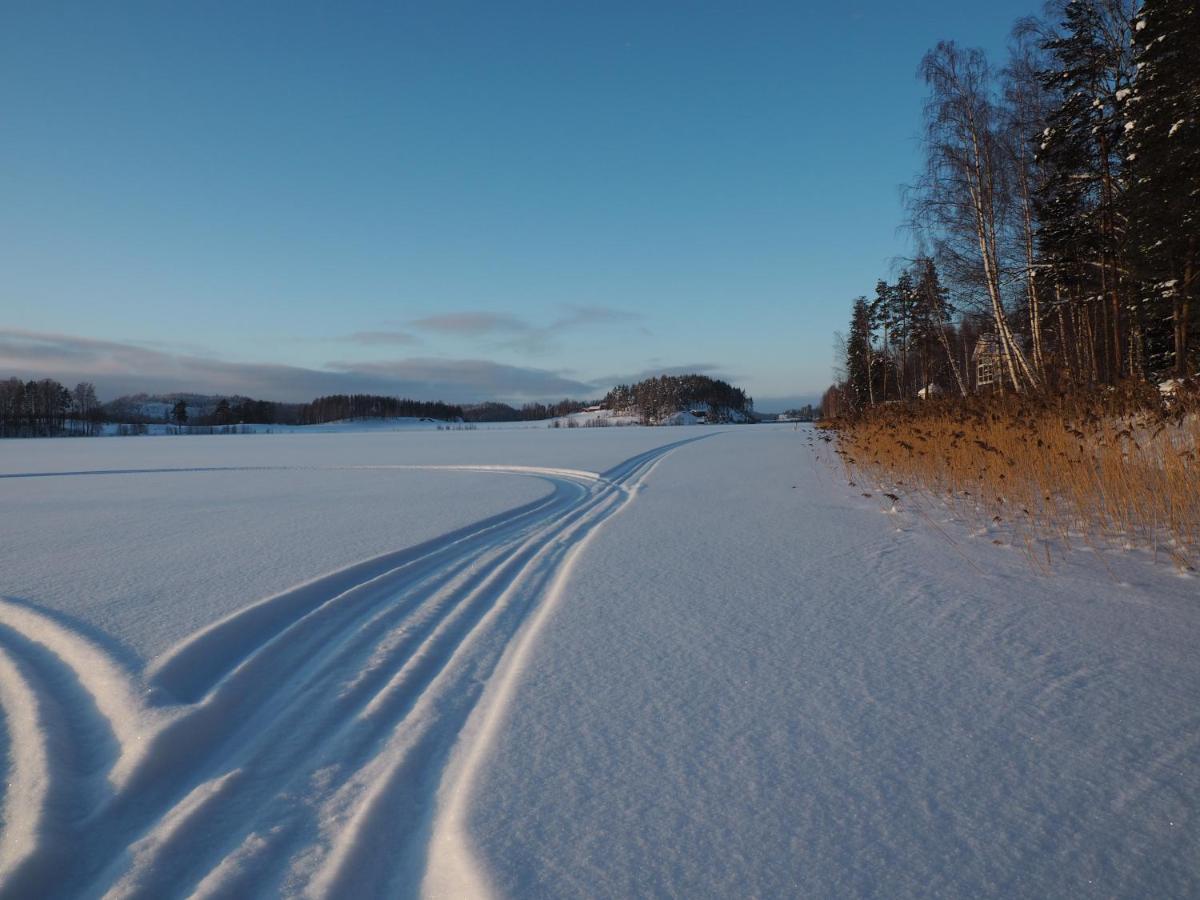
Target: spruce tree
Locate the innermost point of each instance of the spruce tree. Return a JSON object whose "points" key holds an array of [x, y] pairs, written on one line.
{"points": [[880, 321], [1162, 145], [1081, 231], [858, 356]]}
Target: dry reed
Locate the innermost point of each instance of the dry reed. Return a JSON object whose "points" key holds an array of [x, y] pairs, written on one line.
{"points": [[1118, 468]]}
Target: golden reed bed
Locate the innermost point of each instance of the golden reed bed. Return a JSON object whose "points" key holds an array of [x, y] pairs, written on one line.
{"points": [[1118, 468]]}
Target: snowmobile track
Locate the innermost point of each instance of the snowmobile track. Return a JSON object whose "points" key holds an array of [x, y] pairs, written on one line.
{"points": [[314, 742]]}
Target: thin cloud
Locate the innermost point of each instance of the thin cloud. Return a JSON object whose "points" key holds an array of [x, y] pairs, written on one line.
{"points": [[377, 338], [118, 368], [461, 377], [593, 315], [713, 370], [538, 341], [472, 324], [503, 331]]}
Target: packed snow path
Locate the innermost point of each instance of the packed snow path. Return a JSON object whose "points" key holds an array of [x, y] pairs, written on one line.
{"points": [[293, 747]]}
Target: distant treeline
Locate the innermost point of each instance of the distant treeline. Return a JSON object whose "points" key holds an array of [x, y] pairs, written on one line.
{"points": [[337, 407], [530, 412], [656, 398], [198, 409], [369, 406], [46, 408]]}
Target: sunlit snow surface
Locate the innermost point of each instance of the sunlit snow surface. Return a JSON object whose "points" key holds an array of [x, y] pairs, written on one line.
{"points": [[586, 662]]}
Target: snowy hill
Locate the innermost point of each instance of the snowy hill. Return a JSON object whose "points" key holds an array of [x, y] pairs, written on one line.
{"points": [[157, 407]]}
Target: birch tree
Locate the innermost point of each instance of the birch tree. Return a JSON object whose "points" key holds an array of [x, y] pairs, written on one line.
{"points": [[964, 195]]}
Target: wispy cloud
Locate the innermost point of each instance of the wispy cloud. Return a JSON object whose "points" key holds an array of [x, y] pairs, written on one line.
{"points": [[593, 315], [122, 368], [377, 338], [713, 370], [475, 379], [508, 332], [472, 324]]}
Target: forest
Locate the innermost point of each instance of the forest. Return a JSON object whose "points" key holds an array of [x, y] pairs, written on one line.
{"points": [[47, 408], [655, 398], [338, 407], [1034, 365], [1056, 216], [493, 411]]}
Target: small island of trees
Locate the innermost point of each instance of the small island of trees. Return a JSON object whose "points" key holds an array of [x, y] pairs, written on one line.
{"points": [[654, 399]]}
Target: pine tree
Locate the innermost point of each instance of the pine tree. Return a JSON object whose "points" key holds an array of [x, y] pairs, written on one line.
{"points": [[880, 321], [903, 298], [932, 316], [858, 356], [1162, 144], [1081, 229]]}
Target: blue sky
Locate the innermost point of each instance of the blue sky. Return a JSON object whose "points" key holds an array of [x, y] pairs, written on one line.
{"points": [[461, 200]]}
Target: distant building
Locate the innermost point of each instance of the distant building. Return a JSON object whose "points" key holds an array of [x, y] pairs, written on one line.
{"points": [[987, 362]]}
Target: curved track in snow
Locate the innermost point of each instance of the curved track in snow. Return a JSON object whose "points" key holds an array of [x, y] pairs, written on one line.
{"points": [[302, 746]]}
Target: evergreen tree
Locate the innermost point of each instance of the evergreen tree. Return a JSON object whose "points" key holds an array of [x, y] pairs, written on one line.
{"points": [[1162, 144], [903, 316], [1081, 230], [858, 357], [931, 324], [878, 364]]}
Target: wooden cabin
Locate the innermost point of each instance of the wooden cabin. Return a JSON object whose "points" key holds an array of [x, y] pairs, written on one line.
{"points": [[987, 361]]}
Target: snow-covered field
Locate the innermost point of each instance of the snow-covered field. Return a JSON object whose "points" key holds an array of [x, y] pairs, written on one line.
{"points": [[568, 663]]}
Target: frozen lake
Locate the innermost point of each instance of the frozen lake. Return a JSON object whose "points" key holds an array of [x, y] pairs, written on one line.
{"points": [[568, 663]]}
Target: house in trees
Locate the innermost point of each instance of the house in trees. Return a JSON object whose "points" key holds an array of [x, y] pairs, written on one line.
{"points": [[987, 363]]}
